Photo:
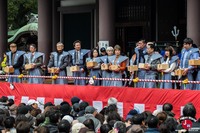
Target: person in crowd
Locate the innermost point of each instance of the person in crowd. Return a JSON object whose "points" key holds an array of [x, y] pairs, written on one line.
{"points": [[9, 123], [94, 70], [64, 126], [33, 104], [187, 54], [54, 117], [120, 127], [23, 127], [90, 113], [121, 62], [106, 73], [14, 60], [59, 59], [78, 59], [151, 62], [105, 128], [189, 117], [167, 74], [82, 106], [152, 125], [103, 51], [36, 59], [140, 52]]}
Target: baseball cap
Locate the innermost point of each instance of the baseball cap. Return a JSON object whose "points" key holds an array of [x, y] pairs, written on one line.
{"points": [[103, 49], [32, 101], [90, 109]]}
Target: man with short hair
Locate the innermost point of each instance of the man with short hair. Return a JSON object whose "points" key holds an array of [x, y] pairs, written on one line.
{"points": [[15, 60], [187, 54], [151, 61], [60, 60], [36, 59], [90, 113], [152, 125], [140, 51], [78, 59]]}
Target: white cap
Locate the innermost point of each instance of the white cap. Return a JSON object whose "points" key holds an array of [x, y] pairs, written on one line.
{"points": [[76, 127], [112, 100], [32, 101], [68, 118]]}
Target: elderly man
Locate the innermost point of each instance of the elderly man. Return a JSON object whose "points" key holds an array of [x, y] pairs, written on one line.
{"points": [[59, 59], [14, 60], [90, 113]]}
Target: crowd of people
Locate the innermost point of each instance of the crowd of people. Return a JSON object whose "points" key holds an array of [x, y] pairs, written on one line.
{"points": [[79, 117], [144, 52]]}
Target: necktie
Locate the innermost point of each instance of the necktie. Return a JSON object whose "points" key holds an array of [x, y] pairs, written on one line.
{"points": [[32, 57], [77, 56], [13, 58]]}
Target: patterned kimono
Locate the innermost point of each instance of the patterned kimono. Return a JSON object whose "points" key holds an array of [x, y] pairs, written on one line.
{"points": [[95, 71], [38, 59], [192, 53], [153, 60], [117, 61], [79, 61], [61, 61], [17, 63], [105, 73], [167, 75]]}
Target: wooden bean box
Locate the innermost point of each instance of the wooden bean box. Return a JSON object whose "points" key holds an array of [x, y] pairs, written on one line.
{"points": [[53, 70], [162, 66], [179, 72], [142, 65], [74, 68], [194, 62], [114, 67], [132, 68], [9, 69], [28, 66], [104, 67], [91, 64]]}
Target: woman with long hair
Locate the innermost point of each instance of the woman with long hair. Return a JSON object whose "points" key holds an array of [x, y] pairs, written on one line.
{"points": [[172, 60]]}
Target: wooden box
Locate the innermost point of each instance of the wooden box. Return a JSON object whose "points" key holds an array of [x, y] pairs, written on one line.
{"points": [[104, 67], [179, 72], [162, 66], [114, 67], [28, 66], [74, 68], [53, 70], [91, 64], [132, 68], [142, 65], [9, 69], [194, 62]]}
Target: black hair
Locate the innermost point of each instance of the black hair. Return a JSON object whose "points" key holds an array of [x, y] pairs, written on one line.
{"points": [[188, 41], [77, 41], [189, 110], [152, 122], [105, 128], [167, 107], [93, 52], [9, 122], [89, 123], [64, 126]]}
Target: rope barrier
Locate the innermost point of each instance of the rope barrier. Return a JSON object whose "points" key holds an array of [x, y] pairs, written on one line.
{"points": [[109, 79]]}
